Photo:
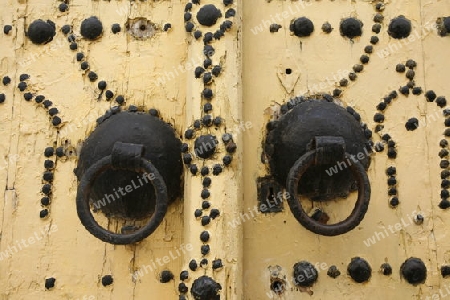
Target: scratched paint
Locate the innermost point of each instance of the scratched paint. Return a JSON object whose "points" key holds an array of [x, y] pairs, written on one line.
{"points": [[292, 66], [159, 72]]}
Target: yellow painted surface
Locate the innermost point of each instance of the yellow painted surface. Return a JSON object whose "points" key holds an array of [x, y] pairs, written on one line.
{"points": [[314, 59], [250, 89]]}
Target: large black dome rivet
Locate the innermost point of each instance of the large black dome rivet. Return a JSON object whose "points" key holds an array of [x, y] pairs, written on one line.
{"points": [[208, 15], [351, 27], [302, 27], [205, 146], [414, 271], [400, 27], [305, 274], [359, 270], [91, 28], [41, 32], [443, 26], [205, 288]]}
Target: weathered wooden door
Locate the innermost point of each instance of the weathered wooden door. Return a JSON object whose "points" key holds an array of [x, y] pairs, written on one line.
{"points": [[235, 81]]}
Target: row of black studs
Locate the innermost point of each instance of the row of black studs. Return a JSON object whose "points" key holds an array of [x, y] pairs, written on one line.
{"points": [[205, 287]]}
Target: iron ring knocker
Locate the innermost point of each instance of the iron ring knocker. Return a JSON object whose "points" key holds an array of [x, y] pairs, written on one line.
{"points": [[84, 190], [361, 205]]}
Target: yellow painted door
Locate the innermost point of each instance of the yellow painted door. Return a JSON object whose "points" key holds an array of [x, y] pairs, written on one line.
{"points": [[221, 73], [278, 66], [66, 68]]}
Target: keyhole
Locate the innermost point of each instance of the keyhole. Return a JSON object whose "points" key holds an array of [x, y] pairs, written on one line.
{"points": [[270, 197], [277, 286]]}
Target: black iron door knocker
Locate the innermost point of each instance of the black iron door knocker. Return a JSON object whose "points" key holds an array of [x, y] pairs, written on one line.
{"points": [[306, 146], [129, 167]]}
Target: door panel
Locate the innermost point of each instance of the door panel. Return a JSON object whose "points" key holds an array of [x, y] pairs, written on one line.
{"points": [[317, 63], [62, 248]]}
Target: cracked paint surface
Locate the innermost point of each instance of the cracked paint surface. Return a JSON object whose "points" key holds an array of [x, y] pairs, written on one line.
{"points": [[139, 71]]}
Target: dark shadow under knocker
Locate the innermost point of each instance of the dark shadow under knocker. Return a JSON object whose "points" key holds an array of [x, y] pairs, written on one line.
{"points": [[130, 168], [320, 150]]}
